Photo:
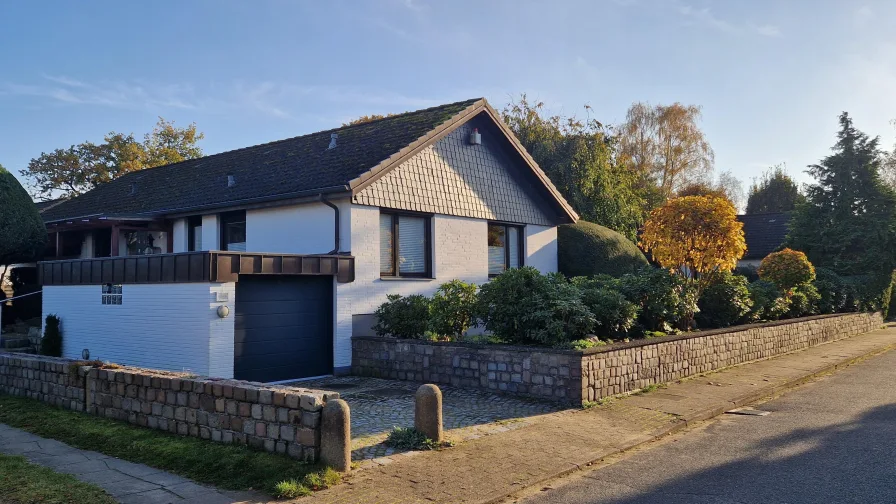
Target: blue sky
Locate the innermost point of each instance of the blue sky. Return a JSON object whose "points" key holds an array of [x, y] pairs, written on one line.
{"points": [[771, 76]]}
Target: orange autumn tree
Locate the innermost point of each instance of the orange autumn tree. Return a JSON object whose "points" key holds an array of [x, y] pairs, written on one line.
{"points": [[695, 236]]}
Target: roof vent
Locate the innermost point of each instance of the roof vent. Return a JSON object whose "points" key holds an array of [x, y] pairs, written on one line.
{"points": [[133, 189], [475, 137], [231, 181], [333, 137]]}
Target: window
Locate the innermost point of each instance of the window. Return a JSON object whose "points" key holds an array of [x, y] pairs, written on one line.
{"points": [[405, 245], [112, 294], [194, 231], [233, 231], [505, 248]]}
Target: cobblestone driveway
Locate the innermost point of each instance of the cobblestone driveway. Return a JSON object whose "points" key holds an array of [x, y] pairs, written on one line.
{"points": [[379, 405]]}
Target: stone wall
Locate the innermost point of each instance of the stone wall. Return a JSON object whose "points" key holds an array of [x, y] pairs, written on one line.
{"points": [[276, 419], [47, 379], [639, 364], [540, 372], [572, 376]]}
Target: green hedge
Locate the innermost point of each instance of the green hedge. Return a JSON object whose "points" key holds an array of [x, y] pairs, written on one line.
{"points": [[587, 249]]}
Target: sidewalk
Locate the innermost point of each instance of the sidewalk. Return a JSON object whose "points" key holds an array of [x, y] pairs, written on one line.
{"points": [[490, 468], [127, 482]]}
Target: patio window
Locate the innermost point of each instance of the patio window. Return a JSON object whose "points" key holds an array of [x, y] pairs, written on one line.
{"points": [[505, 248]]}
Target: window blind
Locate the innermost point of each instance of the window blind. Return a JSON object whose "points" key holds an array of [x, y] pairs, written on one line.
{"points": [[411, 244]]}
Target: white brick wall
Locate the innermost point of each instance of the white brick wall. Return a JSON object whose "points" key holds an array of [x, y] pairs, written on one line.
{"points": [[162, 326]]}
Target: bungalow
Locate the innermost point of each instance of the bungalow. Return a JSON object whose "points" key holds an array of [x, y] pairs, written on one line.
{"points": [[261, 263]]}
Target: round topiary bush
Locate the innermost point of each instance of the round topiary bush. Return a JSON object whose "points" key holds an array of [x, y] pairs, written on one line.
{"points": [[787, 269], [587, 249], [22, 232]]}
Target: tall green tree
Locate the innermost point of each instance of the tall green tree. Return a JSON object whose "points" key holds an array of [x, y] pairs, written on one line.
{"points": [[22, 232], [80, 168], [774, 192], [581, 160], [848, 222]]}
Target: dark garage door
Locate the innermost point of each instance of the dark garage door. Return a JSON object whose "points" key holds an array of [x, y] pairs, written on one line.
{"points": [[283, 327]]}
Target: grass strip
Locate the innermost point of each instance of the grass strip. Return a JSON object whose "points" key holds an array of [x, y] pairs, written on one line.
{"points": [[22, 482], [232, 467]]}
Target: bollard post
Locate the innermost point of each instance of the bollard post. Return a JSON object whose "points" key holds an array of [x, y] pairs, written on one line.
{"points": [[336, 436], [428, 412]]}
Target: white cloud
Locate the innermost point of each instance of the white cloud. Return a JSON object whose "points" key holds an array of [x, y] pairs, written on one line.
{"points": [[269, 98], [705, 17]]}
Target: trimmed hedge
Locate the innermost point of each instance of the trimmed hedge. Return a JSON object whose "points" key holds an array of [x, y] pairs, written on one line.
{"points": [[23, 235], [587, 249]]}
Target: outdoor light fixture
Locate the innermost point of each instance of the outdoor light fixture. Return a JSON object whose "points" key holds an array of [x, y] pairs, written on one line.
{"points": [[223, 311], [85, 354]]}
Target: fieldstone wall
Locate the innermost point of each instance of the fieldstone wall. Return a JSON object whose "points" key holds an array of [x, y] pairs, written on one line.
{"points": [[572, 376], [276, 419], [607, 372], [52, 380], [546, 373]]}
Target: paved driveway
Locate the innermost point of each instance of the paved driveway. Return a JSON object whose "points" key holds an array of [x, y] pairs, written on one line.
{"points": [[379, 405]]}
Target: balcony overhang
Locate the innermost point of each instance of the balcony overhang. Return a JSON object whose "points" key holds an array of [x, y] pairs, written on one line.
{"points": [[191, 267]]}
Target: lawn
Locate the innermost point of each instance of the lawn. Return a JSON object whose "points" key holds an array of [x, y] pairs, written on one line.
{"points": [[24, 483], [226, 466]]}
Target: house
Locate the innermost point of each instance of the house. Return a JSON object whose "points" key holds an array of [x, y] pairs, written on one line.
{"points": [[261, 263], [764, 234]]}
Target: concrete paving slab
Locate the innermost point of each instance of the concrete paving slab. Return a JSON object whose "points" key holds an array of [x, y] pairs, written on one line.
{"points": [[20, 448], [159, 496], [188, 490], [128, 486], [84, 467], [130, 468]]}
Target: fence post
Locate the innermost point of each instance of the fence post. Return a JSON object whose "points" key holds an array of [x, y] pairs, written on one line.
{"points": [[428, 412], [336, 436]]}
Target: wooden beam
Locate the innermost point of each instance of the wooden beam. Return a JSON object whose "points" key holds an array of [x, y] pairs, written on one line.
{"points": [[114, 248], [58, 245]]}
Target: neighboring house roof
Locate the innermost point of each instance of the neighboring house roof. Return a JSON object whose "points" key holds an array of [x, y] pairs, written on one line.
{"points": [[292, 168], [764, 233]]}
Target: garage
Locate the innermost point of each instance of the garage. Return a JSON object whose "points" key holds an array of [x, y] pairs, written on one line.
{"points": [[283, 327]]}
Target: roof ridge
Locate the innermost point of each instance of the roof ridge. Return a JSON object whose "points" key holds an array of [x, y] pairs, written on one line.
{"points": [[266, 144]]}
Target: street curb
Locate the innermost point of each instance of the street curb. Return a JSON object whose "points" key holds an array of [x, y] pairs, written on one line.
{"points": [[697, 417]]}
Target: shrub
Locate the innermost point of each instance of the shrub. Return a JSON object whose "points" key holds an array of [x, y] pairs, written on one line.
{"points": [[748, 272], [51, 343], [452, 309], [831, 291], [23, 234], [408, 438], [586, 249], [868, 292], [769, 303], [664, 299], [804, 301], [724, 302], [403, 317], [614, 314], [523, 306], [787, 269]]}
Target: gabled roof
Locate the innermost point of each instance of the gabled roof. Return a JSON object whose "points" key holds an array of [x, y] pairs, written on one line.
{"points": [[291, 168], [764, 233]]}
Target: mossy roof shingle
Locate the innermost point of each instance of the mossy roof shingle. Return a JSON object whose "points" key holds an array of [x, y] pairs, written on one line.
{"points": [[275, 170]]}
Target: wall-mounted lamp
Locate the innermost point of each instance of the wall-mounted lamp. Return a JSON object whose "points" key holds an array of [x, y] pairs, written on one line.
{"points": [[223, 311], [85, 354]]}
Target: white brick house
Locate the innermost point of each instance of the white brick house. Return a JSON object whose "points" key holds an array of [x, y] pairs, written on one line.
{"points": [[262, 263]]}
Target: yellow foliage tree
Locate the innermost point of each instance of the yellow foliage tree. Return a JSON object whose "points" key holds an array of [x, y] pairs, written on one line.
{"points": [[695, 236]]}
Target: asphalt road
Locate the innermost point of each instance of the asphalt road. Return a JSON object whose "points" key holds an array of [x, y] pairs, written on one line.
{"points": [[829, 441]]}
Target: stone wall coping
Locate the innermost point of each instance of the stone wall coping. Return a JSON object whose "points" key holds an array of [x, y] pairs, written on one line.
{"points": [[643, 342]]}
